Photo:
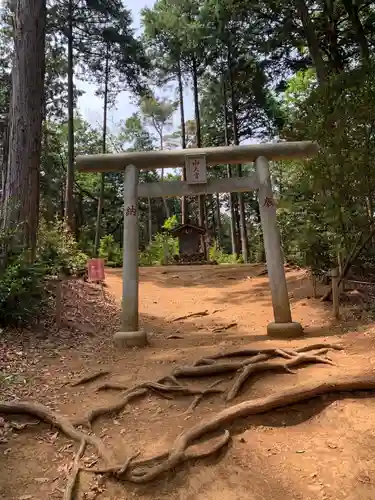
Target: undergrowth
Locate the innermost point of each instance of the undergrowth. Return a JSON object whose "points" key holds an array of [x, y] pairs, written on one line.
{"points": [[23, 290]]}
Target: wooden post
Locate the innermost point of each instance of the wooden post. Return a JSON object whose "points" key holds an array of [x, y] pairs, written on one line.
{"points": [[335, 292]]}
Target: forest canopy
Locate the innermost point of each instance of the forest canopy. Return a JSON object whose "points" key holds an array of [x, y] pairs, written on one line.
{"points": [[258, 71]]}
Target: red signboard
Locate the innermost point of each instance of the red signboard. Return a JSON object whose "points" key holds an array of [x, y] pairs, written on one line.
{"points": [[96, 270]]}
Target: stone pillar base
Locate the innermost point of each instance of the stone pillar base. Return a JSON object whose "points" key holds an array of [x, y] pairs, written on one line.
{"points": [[285, 330], [130, 339]]}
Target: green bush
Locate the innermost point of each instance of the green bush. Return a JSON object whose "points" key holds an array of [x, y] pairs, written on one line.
{"points": [[171, 223], [110, 251], [161, 251], [216, 254], [59, 251], [23, 284]]}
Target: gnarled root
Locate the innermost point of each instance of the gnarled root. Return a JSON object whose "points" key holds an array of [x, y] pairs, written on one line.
{"points": [[163, 390], [138, 474], [299, 359], [63, 424], [294, 395], [72, 480]]}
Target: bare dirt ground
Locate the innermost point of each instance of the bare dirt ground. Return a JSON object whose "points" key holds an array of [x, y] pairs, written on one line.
{"points": [[319, 449]]}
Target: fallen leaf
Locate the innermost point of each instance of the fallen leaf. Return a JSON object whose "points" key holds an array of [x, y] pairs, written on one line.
{"points": [[54, 437], [42, 479]]}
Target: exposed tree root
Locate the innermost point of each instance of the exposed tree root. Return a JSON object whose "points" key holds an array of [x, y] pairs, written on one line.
{"points": [[179, 389], [116, 470], [224, 327], [109, 409], [207, 366], [90, 378], [203, 368], [178, 451], [112, 387], [269, 351], [141, 390], [275, 365], [192, 315], [72, 480], [198, 398], [208, 370], [255, 361], [63, 424], [135, 471]]}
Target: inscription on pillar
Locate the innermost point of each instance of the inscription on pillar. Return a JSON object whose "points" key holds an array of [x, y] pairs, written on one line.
{"points": [[196, 169]]}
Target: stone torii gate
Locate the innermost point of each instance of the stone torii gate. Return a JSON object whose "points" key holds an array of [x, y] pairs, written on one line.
{"points": [[196, 184]]}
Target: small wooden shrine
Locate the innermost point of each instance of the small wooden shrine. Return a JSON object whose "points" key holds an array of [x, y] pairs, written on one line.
{"points": [[190, 239]]}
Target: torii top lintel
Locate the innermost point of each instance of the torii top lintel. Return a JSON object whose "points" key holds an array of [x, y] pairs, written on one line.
{"points": [[214, 156]]}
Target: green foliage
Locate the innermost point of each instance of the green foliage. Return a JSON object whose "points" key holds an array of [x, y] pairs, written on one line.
{"points": [[22, 290], [58, 251], [171, 223], [216, 254], [23, 294], [110, 251], [161, 251], [327, 202]]}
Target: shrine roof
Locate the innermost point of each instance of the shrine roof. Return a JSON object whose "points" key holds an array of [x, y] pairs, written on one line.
{"points": [[181, 227]]}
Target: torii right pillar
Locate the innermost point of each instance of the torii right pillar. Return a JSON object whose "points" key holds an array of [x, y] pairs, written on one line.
{"points": [[283, 326]]}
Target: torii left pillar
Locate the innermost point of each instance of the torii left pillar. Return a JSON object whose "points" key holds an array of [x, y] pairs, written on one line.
{"points": [[130, 335]]}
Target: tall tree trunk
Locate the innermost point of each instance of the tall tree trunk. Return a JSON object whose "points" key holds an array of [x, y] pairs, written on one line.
{"points": [[149, 209], [218, 220], [235, 249], [21, 200], [241, 203], [165, 203], [352, 11], [104, 150], [201, 198], [62, 200], [312, 41], [4, 162], [79, 215], [69, 194], [238, 229], [184, 205], [331, 35]]}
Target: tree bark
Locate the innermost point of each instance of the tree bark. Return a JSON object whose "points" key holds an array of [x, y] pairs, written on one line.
{"points": [[184, 205], [233, 234], [201, 198], [149, 211], [21, 201], [353, 14], [104, 150], [236, 142], [218, 220], [312, 41], [4, 162], [165, 203], [69, 194], [331, 36]]}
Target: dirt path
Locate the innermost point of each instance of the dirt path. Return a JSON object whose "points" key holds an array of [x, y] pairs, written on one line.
{"points": [[322, 449]]}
